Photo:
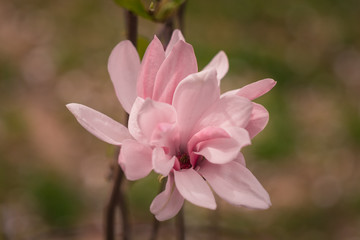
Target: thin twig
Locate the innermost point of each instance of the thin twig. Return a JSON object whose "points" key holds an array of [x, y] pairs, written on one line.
{"points": [[155, 229], [214, 223], [166, 31], [180, 225], [124, 211], [117, 197], [180, 16], [132, 31], [156, 223], [176, 21], [131, 27], [109, 220]]}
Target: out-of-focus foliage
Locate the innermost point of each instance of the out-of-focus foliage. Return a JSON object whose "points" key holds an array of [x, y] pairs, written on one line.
{"points": [[57, 202], [155, 10], [134, 6]]}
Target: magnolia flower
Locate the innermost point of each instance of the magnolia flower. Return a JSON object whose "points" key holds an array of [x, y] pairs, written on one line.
{"points": [[181, 127], [196, 142]]}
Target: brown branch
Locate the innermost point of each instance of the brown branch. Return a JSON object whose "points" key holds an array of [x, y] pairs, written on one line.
{"points": [[109, 218], [214, 223], [180, 16], [176, 21], [166, 32], [124, 211], [117, 197], [132, 31], [180, 225], [155, 229], [156, 223], [132, 27]]}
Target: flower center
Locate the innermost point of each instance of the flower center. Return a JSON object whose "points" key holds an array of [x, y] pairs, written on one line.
{"points": [[184, 160]]}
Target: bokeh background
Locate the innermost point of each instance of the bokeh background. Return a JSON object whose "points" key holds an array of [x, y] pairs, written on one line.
{"points": [[54, 176]]}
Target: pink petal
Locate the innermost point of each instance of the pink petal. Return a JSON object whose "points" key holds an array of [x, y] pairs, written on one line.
{"points": [[224, 149], [168, 203], [241, 135], [175, 38], [147, 115], [166, 135], [194, 189], [204, 135], [135, 159], [227, 111], [180, 63], [162, 163], [133, 125], [153, 58], [194, 95], [236, 184], [240, 159], [221, 63], [99, 124], [218, 151], [258, 121], [123, 67], [254, 90], [154, 113]]}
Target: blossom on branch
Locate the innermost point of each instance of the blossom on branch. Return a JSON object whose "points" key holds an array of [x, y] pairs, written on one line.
{"points": [[181, 127]]}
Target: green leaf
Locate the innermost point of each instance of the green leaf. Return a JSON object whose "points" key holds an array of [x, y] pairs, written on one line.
{"points": [[134, 6], [167, 9], [157, 11]]}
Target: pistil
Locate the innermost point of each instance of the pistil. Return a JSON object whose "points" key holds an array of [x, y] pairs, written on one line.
{"points": [[184, 160]]}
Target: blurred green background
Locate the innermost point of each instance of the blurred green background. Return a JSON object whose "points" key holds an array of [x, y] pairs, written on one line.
{"points": [[54, 176]]}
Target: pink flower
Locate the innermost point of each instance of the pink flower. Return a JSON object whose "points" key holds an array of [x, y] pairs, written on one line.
{"points": [[196, 142], [186, 130]]}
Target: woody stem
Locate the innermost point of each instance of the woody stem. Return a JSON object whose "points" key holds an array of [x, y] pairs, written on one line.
{"points": [[180, 225], [117, 197], [156, 223]]}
